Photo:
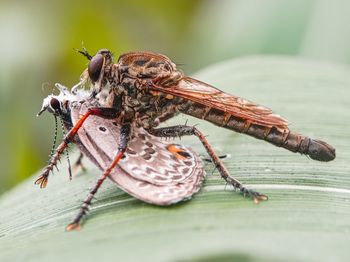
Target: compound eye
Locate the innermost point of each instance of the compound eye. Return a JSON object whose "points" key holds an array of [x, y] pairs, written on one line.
{"points": [[55, 105], [95, 67]]}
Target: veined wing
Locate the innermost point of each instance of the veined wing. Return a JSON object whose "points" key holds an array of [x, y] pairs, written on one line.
{"points": [[204, 94]]}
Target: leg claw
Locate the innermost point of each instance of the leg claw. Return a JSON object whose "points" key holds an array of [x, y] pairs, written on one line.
{"points": [[256, 196], [73, 226], [42, 181]]}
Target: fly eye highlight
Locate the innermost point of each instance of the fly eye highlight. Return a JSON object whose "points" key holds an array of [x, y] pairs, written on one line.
{"points": [[95, 67]]}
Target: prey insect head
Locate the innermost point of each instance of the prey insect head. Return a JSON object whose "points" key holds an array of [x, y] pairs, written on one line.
{"points": [[52, 105], [57, 105]]}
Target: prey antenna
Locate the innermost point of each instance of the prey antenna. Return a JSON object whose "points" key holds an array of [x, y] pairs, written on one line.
{"points": [[67, 153], [54, 139]]}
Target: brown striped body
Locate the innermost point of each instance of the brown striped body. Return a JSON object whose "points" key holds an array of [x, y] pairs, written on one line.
{"points": [[148, 88], [316, 149]]}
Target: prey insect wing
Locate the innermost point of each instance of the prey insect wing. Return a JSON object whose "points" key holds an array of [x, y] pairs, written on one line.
{"points": [[152, 170]]}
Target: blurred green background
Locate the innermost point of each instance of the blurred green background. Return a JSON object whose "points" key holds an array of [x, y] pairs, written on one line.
{"points": [[38, 37]]}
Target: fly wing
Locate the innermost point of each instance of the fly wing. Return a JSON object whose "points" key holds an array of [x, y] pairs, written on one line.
{"points": [[152, 170], [204, 94]]}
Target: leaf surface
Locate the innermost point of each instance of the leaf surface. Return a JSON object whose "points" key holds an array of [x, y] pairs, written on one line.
{"points": [[307, 217]]}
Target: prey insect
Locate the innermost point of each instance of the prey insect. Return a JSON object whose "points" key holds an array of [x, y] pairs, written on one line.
{"points": [[150, 169], [141, 164], [116, 122]]}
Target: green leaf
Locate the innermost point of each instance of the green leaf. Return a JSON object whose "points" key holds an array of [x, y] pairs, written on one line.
{"points": [[307, 217]]}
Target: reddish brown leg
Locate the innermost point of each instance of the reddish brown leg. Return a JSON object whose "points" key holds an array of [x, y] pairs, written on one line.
{"points": [[182, 130], [98, 111], [124, 139]]}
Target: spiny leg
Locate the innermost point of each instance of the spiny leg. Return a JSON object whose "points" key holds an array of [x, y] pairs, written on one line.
{"points": [[123, 142], [183, 130], [98, 111]]}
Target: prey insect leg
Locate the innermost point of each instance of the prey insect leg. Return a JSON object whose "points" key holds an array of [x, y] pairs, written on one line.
{"points": [[97, 111], [79, 164], [124, 139], [183, 130]]}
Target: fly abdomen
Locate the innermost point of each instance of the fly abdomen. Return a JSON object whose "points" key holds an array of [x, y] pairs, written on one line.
{"points": [[315, 149], [281, 137]]}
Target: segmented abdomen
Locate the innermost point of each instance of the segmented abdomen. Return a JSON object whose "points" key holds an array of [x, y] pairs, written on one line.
{"points": [[316, 149]]}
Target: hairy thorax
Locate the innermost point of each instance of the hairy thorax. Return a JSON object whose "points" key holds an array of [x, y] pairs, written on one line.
{"points": [[129, 92]]}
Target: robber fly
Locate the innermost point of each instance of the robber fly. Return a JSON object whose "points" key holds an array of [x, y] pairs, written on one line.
{"points": [[144, 89], [148, 88]]}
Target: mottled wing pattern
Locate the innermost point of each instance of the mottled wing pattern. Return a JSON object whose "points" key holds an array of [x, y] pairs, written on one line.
{"points": [[163, 163], [154, 171], [212, 97]]}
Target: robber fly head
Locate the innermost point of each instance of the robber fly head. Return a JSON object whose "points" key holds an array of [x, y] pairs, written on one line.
{"points": [[99, 64], [100, 69]]}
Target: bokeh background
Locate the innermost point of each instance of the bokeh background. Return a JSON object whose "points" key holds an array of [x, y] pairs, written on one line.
{"points": [[37, 39]]}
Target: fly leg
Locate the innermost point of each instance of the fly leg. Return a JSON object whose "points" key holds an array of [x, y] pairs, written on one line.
{"points": [[69, 137], [123, 142], [183, 130]]}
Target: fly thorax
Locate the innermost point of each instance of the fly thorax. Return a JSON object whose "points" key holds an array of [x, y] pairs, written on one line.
{"points": [[113, 75], [131, 102]]}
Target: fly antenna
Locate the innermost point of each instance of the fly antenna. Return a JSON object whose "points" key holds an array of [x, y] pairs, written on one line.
{"points": [[84, 52]]}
